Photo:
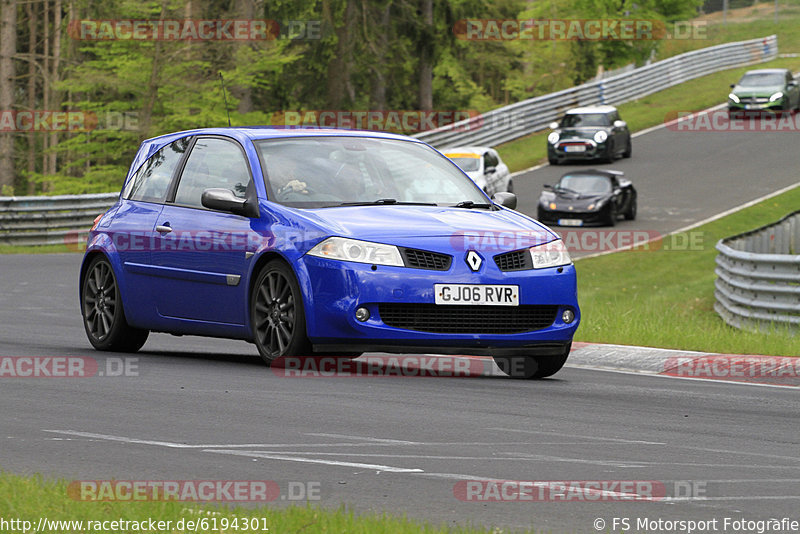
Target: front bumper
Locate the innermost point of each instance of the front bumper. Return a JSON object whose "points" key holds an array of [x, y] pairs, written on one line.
{"points": [[333, 290], [587, 218], [588, 149]]}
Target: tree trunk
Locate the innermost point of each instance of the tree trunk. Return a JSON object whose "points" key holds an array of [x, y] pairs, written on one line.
{"points": [[54, 77], [31, 185], [379, 79], [340, 65], [426, 57], [246, 10], [8, 48]]}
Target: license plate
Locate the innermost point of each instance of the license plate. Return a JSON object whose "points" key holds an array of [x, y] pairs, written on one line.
{"points": [[575, 148], [570, 222], [481, 294]]}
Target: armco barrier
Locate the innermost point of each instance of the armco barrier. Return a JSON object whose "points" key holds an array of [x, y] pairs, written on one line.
{"points": [[49, 220], [53, 220], [758, 277], [523, 118]]}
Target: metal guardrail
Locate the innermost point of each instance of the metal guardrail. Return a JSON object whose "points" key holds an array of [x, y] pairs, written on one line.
{"points": [[523, 118], [50, 220], [758, 277]]}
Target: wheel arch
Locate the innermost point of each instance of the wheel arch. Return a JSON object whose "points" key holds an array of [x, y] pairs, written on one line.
{"points": [[258, 266]]}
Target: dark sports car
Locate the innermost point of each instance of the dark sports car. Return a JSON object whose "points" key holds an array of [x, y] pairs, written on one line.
{"points": [[588, 197]]}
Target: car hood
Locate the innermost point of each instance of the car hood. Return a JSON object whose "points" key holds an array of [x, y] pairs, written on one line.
{"points": [[386, 223], [584, 132], [570, 199], [760, 91]]}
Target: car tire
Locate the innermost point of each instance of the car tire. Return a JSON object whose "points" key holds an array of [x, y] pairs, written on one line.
{"points": [[532, 367], [276, 314], [552, 160], [102, 311], [629, 150], [630, 215], [609, 157], [612, 215], [510, 187]]}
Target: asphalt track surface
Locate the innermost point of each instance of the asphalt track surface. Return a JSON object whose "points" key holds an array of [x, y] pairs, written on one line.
{"points": [[195, 408]]}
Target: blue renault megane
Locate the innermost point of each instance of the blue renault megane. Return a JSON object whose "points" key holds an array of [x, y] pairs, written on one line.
{"points": [[324, 242]]}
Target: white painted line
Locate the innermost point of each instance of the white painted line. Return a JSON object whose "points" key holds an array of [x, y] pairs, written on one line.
{"points": [[529, 169], [362, 438], [643, 372], [269, 456], [590, 438], [122, 439]]}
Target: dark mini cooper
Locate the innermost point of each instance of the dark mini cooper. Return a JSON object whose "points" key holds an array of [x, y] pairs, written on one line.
{"points": [[588, 197], [594, 132]]}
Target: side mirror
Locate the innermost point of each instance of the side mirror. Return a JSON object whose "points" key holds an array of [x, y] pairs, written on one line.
{"points": [[548, 187], [620, 124], [553, 125], [490, 170], [505, 199], [224, 200]]}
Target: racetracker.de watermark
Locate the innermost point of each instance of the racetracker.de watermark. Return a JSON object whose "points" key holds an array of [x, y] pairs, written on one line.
{"points": [[575, 30], [380, 120], [67, 121], [66, 367], [721, 120], [378, 365], [559, 490], [192, 490], [579, 240], [194, 30], [759, 369]]}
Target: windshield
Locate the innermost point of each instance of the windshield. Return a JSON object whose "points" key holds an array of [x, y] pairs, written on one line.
{"points": [[467, 162], [763, 79], [315, 172], [584, 119], [586, 185]]}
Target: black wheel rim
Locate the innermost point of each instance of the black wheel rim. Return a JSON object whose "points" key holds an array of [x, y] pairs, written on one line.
{"points": [[100, 301], [275, 313]]}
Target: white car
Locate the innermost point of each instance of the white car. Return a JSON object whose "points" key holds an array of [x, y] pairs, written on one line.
{"points": [[484, 166]]}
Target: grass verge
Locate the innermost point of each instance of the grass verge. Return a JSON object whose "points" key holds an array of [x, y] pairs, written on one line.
{"points": [[665, 298], [32, 498]]}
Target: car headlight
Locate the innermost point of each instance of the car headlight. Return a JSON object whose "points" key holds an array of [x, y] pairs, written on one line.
{"points": [[600, 136], [553, 138], [776, 96], [552, 254], [340, 248], [733, 98]]}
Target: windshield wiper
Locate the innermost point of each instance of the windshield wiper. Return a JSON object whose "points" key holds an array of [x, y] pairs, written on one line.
{"points": [[469, 204], [387, 201]]}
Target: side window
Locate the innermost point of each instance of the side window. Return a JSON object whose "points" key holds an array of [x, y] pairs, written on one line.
{"points": [[213, 163], [151, 181], [489, 160]]}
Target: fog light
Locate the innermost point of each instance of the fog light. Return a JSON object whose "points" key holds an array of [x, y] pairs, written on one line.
{"points": [[362, 314], [567, 316]]}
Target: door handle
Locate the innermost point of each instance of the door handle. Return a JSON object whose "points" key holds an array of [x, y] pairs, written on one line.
{"points": [[163, 229]]}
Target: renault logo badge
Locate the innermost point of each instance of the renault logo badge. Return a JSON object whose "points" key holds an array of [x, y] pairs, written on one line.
{"points": [[474, 260]]}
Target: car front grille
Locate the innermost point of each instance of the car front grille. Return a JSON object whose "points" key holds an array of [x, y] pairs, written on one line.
{"points": [[423, 259], [519, 260], [754, 100], [467, 319]]}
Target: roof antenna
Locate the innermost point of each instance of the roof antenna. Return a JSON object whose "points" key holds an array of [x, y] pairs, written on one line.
{"points": [[222, 81]]}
